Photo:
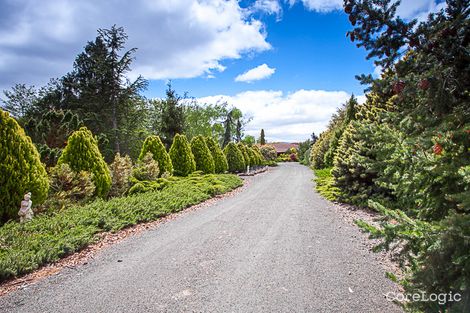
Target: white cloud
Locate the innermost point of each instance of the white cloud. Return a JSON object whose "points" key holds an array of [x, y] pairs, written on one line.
{"points": [[320, 5], [286, 117], [175, 39], [408, 9], [268, 6], [262, 71]]}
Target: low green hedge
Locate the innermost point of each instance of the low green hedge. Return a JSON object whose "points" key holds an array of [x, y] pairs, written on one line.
{"points": [[47, 238]]}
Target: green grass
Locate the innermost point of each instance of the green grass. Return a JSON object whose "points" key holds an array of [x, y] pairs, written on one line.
{"points": [[47, 238], [324, 184]]}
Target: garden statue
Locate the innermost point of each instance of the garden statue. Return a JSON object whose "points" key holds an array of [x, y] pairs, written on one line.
{"points": [[26, 213]]}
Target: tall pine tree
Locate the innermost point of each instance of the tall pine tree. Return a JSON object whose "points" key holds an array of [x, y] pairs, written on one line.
{"points": [[172, 120], [262, 139], [100, 92]]}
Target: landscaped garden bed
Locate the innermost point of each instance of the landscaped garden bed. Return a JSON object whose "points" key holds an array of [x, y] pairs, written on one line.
{"points": [[49, 237]]}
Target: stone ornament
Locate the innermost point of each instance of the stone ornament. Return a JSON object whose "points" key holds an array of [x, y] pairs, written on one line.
{"points": [[25, 212]]}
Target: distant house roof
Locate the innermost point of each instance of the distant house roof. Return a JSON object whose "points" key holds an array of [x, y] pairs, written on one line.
{"points": [[282, 147]]}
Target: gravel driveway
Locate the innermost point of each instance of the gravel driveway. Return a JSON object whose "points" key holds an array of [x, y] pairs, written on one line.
{"points": [[277, 246]]}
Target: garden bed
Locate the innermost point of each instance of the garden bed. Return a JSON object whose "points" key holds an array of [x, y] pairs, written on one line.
{"points": [[48, 238]]}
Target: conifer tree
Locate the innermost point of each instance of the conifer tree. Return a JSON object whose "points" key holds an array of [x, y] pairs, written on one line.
{"points": [[154, 145], [246, 156], [259, 155], [121, 173], [262, 139], [21, 170], [347, 114], [99, 90], [228, 128], [238, 131], [424, 92], [252, 156], [181, 156], [319, 149], [172, 120], [235, 158], [220, 161], [82, 154], [202, 155]]}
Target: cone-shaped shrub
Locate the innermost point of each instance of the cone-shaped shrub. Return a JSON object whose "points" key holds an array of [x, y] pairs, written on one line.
{"points": [[202, 155], [220, 161], [181, 156], [259, 155], [82, 154], [121, 173], [154, 145], [246, 156], [252, 155], [21, 170], [359, 162], [234, 156], [319, 149]]}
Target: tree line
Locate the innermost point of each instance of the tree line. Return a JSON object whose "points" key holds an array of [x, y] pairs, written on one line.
{"points": [[98, 94]]}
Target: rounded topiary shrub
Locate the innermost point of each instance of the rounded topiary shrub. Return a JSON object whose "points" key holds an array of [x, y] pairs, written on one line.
{"points": [[234, 156], [82, 154], [21, 170], [220, 161], [202, 155], [154, 145], [269, 152], [181, 156]]}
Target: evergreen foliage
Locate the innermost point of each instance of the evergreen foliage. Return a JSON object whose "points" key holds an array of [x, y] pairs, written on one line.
{"points": [[228, 129], [49, 130], [154, 145], [181, 156], [82, 154], [360, 161], [121, 173], [99, 91], [220, 161], [49, 237], [172, 121], [344, 117], [202, 155], [269, 152], [258, 153], [319, 149], [21, 170], [244, 151], [147, 168], [251, 154], [67, 186], [409, 150], [262, 139], [235, 160]]}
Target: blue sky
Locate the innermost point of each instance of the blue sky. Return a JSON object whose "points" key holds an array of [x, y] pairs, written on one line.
{"points": [[309, 51], [287, 64]]}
